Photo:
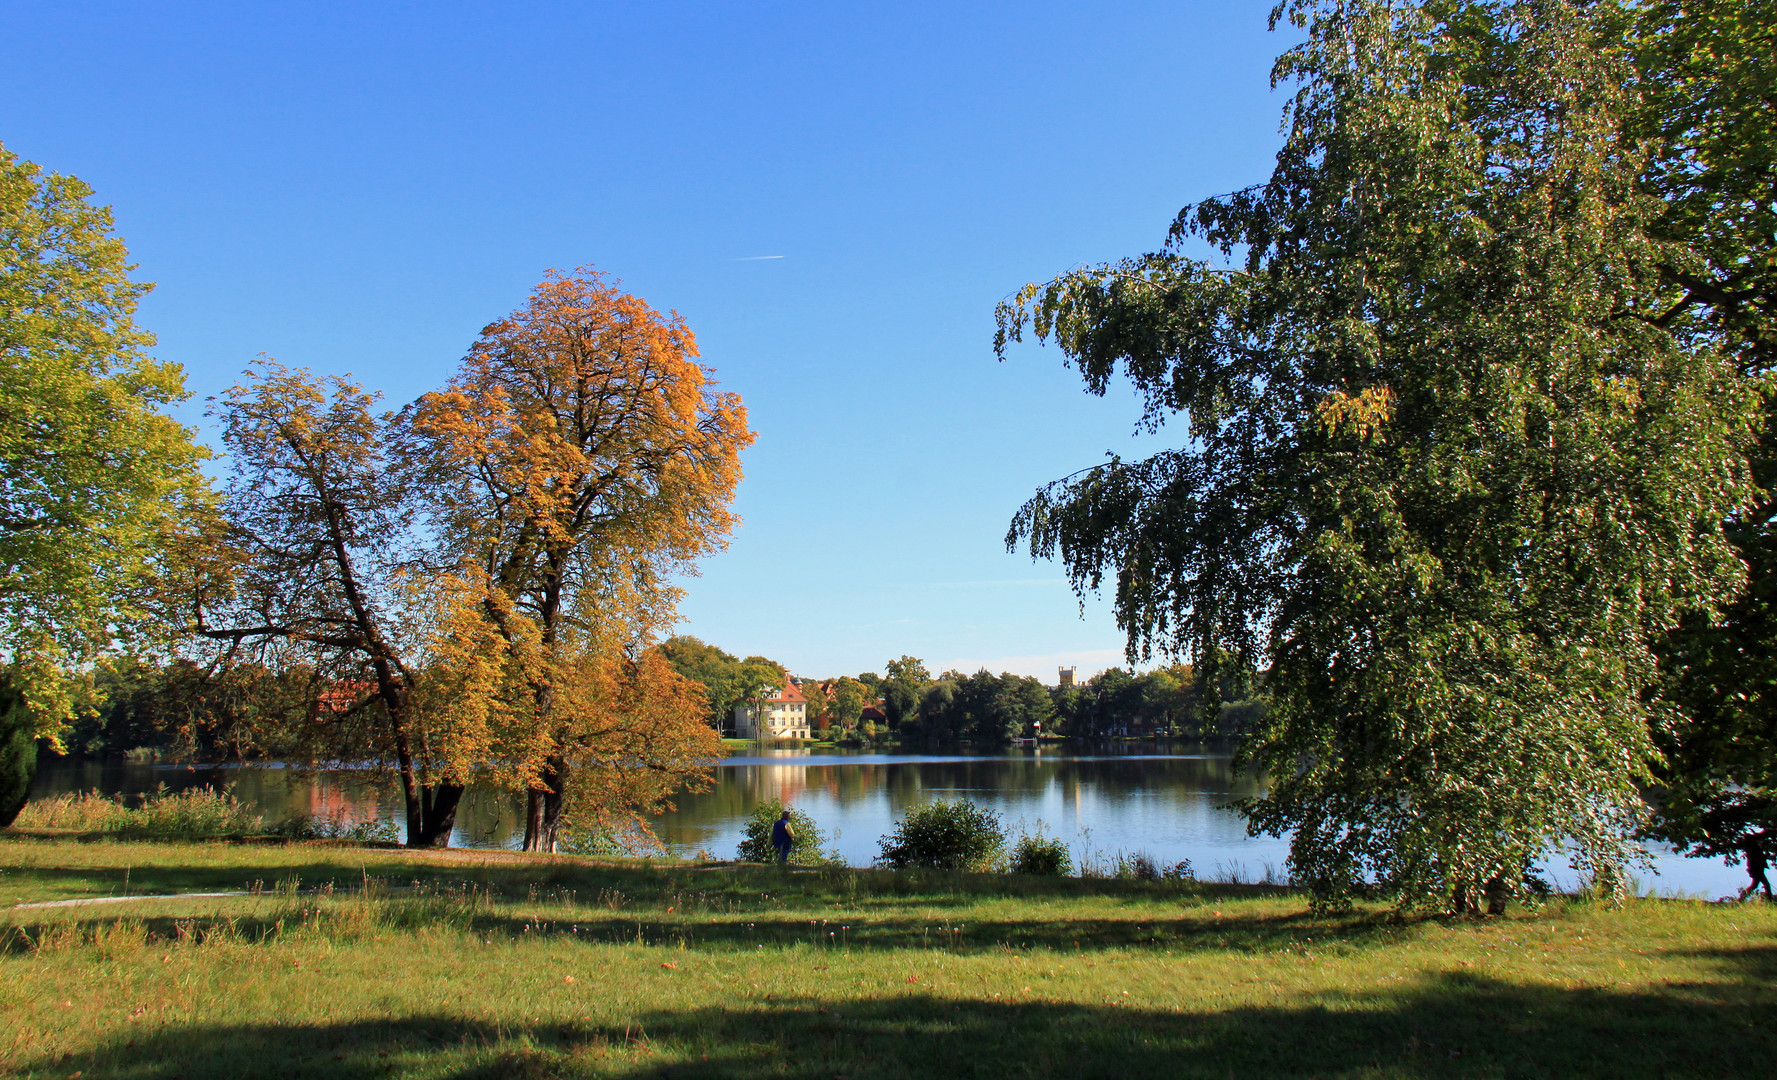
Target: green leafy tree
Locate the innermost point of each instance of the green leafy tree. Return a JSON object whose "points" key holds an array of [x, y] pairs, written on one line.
{"points": [[762, 680], [1070, 703], [716, 671], [941, 714], [1709, 77], [983, 708], [727, 680], [18, 751], [818, 708], [904, 681], [849, 698], [1020, 703], [1442, 467], [1117, 700], [99, 488]]}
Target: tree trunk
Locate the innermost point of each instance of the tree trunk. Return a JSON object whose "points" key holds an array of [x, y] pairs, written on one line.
{"points": [[411, 793], [440, 802], [542, 822], [1463, 899], [18, 750]]}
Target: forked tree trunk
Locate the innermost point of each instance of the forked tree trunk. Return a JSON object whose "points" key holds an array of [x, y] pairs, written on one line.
{"points": [[438, 815], [542, 823]]}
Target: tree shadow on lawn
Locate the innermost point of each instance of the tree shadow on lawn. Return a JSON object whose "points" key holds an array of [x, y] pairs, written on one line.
{"points": [[159, 872], [1447, 1025], [947, 932], [271, 917], [517, 874]]}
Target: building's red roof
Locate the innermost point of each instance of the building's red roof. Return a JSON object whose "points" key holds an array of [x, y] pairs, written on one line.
{"points": [[790, 692], [341, 696]]}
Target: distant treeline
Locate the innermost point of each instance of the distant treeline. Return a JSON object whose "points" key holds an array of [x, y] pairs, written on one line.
{"points": [[181, 711], [916, 707]]}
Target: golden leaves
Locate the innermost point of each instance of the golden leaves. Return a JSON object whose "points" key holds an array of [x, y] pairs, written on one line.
{"points": [[1364, 414]]}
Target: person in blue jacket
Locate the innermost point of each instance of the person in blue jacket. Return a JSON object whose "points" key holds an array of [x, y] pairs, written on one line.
{"points": [[783, 838]]}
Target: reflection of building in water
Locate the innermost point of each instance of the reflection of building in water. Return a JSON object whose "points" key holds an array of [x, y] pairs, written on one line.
{"points": [[330, 798], [782, 782], [784, 716]]}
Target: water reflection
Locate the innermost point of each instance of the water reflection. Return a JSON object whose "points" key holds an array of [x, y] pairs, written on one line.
{"points": [[1167, 802]]}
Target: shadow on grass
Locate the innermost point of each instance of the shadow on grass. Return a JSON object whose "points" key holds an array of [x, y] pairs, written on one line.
{"points": [[1446, 1026], [269, 918], [161, 868]]}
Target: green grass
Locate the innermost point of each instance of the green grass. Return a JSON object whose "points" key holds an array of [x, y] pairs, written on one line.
{"points": [[486, 964]]}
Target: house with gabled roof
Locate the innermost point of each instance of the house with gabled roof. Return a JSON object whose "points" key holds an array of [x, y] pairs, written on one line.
{"points": [[784, 715]]}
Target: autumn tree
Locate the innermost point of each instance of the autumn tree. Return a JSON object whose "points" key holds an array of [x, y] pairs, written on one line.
{"points": [[1445, 474], [315, 577], [581, 460], [99, 488]]}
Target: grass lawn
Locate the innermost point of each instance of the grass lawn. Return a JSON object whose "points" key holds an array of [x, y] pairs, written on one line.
{"points": [[487, 964]]}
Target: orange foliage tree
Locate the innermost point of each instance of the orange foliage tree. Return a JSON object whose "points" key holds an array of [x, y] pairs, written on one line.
{"points": [[579, 461], [471, 588]]}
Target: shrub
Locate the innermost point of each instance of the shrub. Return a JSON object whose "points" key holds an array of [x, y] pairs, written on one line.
{"points": [[945, 836], [805, 849], [1139, 867], [1042, 854], [634, 841]]}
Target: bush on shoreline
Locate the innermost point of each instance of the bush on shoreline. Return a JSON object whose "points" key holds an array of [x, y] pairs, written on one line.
{"points": [[1041, 854], [945, 835]]}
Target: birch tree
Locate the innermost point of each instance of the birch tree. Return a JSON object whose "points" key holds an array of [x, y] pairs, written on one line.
{"points": [[1442, 469]]}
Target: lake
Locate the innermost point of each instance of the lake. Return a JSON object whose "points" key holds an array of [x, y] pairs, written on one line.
{"points": [[1165, 801]]}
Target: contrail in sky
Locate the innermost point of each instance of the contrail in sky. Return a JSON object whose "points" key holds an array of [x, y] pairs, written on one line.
{"points": [[756, 258]]}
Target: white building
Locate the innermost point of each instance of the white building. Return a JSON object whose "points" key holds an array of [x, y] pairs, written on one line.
{"points": [[785, 717]]}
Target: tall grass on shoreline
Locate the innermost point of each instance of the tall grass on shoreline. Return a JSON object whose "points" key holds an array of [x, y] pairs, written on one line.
{"points": [[193, 814]]}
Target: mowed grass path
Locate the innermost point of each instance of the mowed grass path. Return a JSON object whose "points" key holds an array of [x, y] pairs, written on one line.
{"points": [[474, 964]]}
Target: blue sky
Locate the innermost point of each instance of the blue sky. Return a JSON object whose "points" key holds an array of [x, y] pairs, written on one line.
{"points": [[361, 187]]}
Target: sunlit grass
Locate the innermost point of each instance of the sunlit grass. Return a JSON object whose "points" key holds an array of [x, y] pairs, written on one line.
{"points": [[347, 962]]}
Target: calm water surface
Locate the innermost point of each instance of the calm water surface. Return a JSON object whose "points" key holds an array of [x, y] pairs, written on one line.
{"points": [[1167, 802]]}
